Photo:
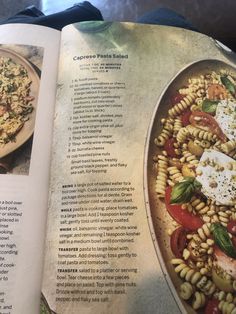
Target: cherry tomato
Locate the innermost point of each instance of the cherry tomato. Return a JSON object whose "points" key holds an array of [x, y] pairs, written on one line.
{"points": [[234, 241], [225, 262], [178, 241], [217, 91], [212, 307], [231, 227], [176, 98], [206, 122], [185, 117], [169, 147], [182, 216]]}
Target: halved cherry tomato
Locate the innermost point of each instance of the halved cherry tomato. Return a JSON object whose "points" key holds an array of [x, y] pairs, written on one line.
{"points": [[234, 241], [169, 147], [225, 262], [217, 91], [185, 117], [178, 241], [176, 98], [212, 307], [231, 227], [182, 216], [206, 122]]}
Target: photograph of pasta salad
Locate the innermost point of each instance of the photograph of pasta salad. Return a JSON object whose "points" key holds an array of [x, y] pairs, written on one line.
{"points": [[15, 99], [196, 179]]}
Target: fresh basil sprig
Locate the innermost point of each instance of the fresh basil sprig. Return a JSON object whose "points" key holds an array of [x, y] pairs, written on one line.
{"points": [[228, 84], [222, 239], [183, 191], [209, 106]]}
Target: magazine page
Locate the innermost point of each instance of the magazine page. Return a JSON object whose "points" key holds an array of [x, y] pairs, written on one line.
{"points": [[28, 73], [122, 140]]}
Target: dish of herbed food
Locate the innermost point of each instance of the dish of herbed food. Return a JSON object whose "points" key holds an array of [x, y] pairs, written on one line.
{"points": [[191, 178], [19, 84]]}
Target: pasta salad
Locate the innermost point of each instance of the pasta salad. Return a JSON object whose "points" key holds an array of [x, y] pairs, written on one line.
{"points": [[196, 177], [15, 100]]}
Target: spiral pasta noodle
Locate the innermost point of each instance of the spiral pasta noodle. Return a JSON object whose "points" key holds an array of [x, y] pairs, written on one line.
{"points": [[227, 307], [161, 176], [199, 206], [177, 125], [165, 133], [186, 272], [225, 296], [201, 134], [204, 232], [194, 277], [189, 158], [199, 300], [182, 135], [175, 174], [186, 290], [182, 105]]}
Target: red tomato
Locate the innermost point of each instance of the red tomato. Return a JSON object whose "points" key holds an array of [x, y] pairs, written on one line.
{"points": [[217, 92], [225, 262], [206, 122], [182, 216], [176, 98], [234, 241], [169, 147], [185, 117], [178, 241], [231, 227], [212, 307]]}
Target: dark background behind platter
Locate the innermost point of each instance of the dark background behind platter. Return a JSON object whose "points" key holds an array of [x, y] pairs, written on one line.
{"points": [[215, 18]]}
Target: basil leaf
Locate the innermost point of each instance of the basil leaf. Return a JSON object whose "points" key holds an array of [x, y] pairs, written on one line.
{"points": [[183, 191], [209, 106], [228, 84], [197, 184], [223, 240]]}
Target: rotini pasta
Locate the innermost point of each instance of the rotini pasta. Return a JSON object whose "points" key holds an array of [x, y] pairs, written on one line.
{"points": [[201, 134], [161, 176], [166, 132], [186, 102]]}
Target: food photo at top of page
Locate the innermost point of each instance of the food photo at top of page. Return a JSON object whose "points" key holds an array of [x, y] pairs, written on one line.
{"points": [[19, 85]]}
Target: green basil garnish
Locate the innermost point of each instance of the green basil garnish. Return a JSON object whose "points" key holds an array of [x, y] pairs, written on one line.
{"points": [[228, 84], [209, 106], [183, 191], [223, 240]]}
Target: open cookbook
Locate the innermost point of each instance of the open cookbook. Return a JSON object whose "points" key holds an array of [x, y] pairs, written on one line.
{"points": [[118, 171]]}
